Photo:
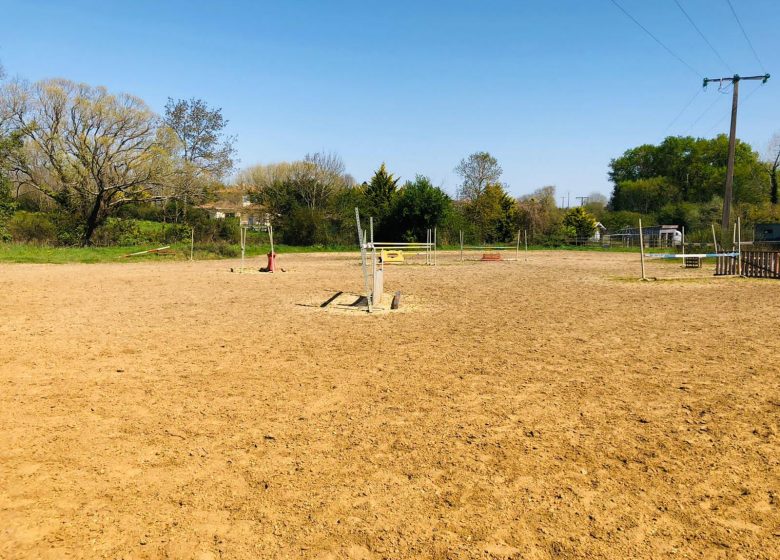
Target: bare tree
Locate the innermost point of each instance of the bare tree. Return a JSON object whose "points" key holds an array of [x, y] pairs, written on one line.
{"points": [[204, 153], [310, 182], [478, 171], [318, 176], [88, 150]]}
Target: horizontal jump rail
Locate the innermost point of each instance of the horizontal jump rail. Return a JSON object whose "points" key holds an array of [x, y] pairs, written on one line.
{"points": [[385, 244], [690, 255]]}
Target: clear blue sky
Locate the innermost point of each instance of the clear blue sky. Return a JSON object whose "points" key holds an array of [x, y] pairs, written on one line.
{"points": [[553, 89]]}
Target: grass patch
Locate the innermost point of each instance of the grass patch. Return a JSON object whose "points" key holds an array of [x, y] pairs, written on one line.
{"points": [[40, 254]]}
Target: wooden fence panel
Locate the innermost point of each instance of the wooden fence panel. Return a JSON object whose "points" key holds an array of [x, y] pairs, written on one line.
{"points": [[761, 264]]}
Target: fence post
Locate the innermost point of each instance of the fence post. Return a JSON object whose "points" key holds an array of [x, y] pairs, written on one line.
{"points": [[642, 250]]}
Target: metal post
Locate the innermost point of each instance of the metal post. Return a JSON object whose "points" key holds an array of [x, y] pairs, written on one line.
{"points": [[362, 244], [642, 250], [373, 255]]}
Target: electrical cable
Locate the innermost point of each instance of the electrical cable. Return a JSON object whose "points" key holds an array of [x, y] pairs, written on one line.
{"points": [[696, 27], [656, 39], [744, 33]]}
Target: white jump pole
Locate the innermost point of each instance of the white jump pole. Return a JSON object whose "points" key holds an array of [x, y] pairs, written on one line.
{"points": [[517, 247], [242, 231], [714, 238], [683, 241], [435, 229], [525, 236], [739, 246], [642, 249], [373, 256], [461, 244], [192, 244]]}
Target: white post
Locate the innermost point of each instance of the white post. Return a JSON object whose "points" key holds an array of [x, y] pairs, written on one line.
{"points": [[517, 247], [714, 238], [192, 243], [525, 235], [683, 243], [434, 245], [461, 245], [242, 231], [642, 250], [373, 255], [739, 246]]}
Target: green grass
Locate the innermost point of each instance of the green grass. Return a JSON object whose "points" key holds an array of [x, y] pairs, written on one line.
{"points": [[21, 253]]}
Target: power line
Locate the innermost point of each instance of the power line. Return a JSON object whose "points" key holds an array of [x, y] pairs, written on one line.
{"points": [[707, 110], [656, 39], [680, 114], [750, 44], [696, 27]]}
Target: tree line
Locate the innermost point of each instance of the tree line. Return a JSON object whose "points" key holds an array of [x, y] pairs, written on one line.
{"points": [[81, 165]]}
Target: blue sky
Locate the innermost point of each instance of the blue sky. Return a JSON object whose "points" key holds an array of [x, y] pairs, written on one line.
{"points": [[553, 89]]}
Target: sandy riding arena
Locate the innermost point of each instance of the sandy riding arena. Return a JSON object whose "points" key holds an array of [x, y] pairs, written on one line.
{"points": [[548, 408]]}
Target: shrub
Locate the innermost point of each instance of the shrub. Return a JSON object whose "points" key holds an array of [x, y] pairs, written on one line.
{"points": [[118, 231], [31, 227]]}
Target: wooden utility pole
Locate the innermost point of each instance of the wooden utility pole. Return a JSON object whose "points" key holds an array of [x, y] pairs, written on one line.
{"points": [[728, 194]]}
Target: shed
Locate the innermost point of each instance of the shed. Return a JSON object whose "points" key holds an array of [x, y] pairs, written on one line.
{"points": [[767, 233]]}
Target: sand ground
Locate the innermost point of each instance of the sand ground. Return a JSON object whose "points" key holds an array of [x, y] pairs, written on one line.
{"points": [[548, 408]]}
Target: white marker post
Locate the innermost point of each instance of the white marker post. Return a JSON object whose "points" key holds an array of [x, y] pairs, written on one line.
{"points": [[642, 250], [739, 246], [525, 236]]}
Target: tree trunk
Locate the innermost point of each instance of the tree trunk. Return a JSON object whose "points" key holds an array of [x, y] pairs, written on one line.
{"points": [[92, 220], [773, 181]]}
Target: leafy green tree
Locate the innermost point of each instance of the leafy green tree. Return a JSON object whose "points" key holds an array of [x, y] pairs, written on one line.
{"points": [[582, 222], [773, 167], [644, 195], [8, 205], [417, 206], [89, 151], [687, 170], [538, 213], [494, 213], [379, 193]]}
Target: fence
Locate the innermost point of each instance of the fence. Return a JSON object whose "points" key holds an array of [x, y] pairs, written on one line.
{"points": [[753, 264]]}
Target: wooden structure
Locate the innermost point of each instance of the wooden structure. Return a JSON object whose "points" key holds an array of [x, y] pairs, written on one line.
{"points": [[692, 262], [761, 264], [726, 265], [491, 257], [751, 264]]}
